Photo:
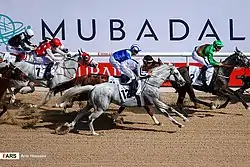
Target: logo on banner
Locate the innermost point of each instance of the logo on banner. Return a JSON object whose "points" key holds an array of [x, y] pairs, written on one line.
{"points": [[9, 28], [9, 155]]}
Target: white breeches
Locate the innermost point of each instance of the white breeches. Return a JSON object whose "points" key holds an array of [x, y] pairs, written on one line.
{"points": [[126, 68], [115, 63], [198, 58]]}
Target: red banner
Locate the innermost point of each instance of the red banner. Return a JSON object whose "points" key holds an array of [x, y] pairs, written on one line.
{"points": [[107, 69]]}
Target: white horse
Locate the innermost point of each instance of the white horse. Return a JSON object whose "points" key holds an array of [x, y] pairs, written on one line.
{"points": [[100, 96], [61, 71]]}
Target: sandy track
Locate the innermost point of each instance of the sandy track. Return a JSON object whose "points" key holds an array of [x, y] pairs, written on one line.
{"points": [[210, 138]]}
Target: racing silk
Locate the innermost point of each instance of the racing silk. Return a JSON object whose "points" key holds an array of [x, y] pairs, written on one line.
{"points": [[41, 50], [46, 50], [207, 50], [122, 55], [20, 40], [136, 67]]}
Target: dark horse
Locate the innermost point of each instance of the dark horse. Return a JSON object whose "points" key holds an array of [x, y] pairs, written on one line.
{"points": [[7, 73], [219, 83]]}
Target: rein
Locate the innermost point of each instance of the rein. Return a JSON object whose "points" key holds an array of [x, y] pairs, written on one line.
{"points": [[67, 69]]}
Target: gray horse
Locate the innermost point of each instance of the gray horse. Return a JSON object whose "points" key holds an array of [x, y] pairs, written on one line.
{"points": [[62, 71], [100, 96]]}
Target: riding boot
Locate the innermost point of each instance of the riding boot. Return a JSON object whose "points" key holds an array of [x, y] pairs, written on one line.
{"points": [[202, 75], [132, 88]]}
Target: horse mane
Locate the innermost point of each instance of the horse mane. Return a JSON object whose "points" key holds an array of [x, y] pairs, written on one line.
{"points": [[229, 57]]}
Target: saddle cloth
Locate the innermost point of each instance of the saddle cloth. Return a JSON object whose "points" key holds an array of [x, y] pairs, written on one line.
{"points": [[194, 72], [122, 88]]}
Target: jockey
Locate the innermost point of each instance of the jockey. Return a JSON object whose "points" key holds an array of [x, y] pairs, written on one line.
{"points": [[136, 67], [20, 43], [119, 61], [46, 50], [204, 54]]}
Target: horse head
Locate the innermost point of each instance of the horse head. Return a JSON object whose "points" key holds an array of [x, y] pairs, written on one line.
{"points": [[86, 59], [167, 72], [150, 65], [241, 59]]}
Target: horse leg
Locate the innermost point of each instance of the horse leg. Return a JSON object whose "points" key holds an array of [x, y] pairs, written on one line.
{"points": [[163, 108], [13, 97], [92, 118], [236, 94], [82, 112], [180, 101], [31, 90], [4, 110], [196, 101], [150, 112], [223, 93], [120, 110]]}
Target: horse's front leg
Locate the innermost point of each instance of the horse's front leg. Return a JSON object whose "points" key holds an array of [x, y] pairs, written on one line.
{"points": [[240, 98], [164, 108], [150, 112]]}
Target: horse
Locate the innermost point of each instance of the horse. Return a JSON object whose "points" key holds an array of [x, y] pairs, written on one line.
{"points": [[100, 96], [62, 71], [7, 73], [93, 79], [219, 81]]}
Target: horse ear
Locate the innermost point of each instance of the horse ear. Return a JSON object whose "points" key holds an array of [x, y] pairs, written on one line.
{"points": [[159, 61], [237, 50], [79, 52]]}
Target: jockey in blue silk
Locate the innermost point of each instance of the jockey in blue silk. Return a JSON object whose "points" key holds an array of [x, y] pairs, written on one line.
{"points": [[119, 61]]}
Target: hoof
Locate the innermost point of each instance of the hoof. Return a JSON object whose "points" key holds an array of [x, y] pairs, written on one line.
{"points": [[95, 134], [180, 126], [159, 124], [213, 107], [119, 121], [64, 129]]}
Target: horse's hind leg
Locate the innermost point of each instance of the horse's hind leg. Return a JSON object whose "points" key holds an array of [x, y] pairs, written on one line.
{"points": [[180, 101], [120, 110], [195, 100], [92, 118], [82, 112]]}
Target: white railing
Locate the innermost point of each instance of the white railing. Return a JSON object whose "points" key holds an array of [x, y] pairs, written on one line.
{"points": [[187, 55]]}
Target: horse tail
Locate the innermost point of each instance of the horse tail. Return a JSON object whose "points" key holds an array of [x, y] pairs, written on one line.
{"points": [[75, 91]]}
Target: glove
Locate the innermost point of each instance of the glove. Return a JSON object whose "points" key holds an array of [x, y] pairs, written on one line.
{"points": [[220, 64]]}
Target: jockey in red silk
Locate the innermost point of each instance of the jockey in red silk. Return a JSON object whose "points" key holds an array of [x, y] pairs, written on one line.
{"points": [[46, 50]]}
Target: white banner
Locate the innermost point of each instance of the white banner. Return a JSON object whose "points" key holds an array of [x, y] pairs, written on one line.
{"points": [[110, 25]]}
